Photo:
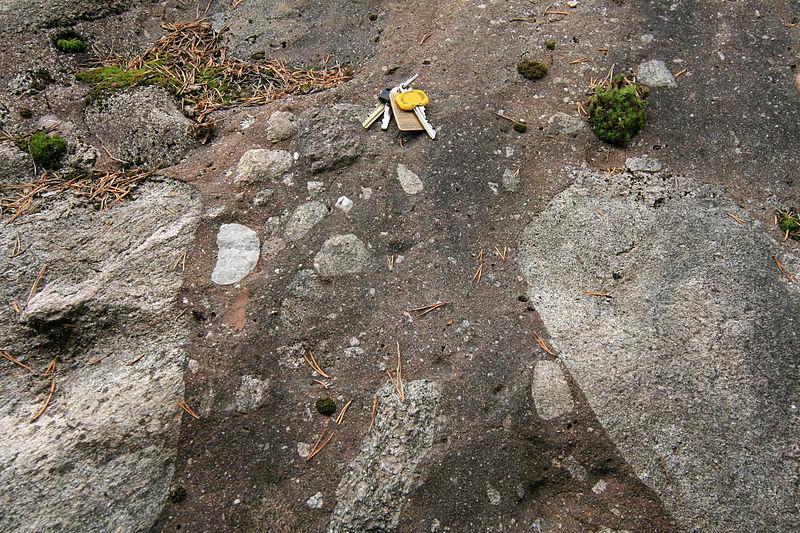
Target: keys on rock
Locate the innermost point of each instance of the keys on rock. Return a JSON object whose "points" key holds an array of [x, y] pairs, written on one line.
{"points": [[405, 105]]}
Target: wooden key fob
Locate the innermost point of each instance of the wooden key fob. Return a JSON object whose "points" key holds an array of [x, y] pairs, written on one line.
{"points": [[405, 120]]}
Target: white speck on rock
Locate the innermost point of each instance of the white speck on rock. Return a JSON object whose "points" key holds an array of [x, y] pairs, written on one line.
{"points": [[239, 248], [344, 204], [600, 487], [408, 180], [315, 501], [493, 494]]}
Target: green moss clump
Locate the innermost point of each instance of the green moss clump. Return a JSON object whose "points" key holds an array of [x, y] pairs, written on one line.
{"points": [[519, 127], [108, 79], [69, 42], [550, 45], [25, 113], [177, 494], [47, 150], [532, 70], [789, 224], [325, 406], [617, 113]]}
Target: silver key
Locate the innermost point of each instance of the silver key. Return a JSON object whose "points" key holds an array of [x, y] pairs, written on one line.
{"points": [[420, 112], [387, 116]]}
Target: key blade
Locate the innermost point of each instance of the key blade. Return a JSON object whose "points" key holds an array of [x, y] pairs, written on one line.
{"points": [[375, 115], [409, 81]]}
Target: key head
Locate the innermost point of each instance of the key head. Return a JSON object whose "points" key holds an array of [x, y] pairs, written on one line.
{"points": [[384, 96]]}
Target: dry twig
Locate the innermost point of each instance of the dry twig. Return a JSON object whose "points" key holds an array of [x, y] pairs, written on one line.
{"points": [[425, 309], [736, 218], [134, 360], [37, 281], [5, 354], [397, 379], [185, 406], [43, 408], [343, 411], [543, 345], [786, 274], [309, 357]]}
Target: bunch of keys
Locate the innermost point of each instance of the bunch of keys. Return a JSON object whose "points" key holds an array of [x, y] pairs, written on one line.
{"points": [[404, 99]]}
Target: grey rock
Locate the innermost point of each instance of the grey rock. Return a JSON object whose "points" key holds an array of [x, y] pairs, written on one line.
{"points": [[315, 501], [643, 164], [142, 126], [340, 255], [371, 493], [281, 125], [330, 137], [305, 217], [239, 248], [566, 124], [251, 394], [315, 188], [303, 295], [550, 391], [102, 455], [692, 362], [600, 487], [29, 82], [260, 165], [510, 180], [344, 204], [263, 197], [16, 166], [655, 74], [408, 180]]}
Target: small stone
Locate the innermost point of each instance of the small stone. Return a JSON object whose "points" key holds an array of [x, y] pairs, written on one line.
{"points": [[408, 180], [575, 469], [655, 74], [239, 248], [305, 217], [251, 394], [566, 124], [263, 197], [303, 449], [344, 204], [262, 165], [493, 494], [366, 193], [550, 391], [281, 125], [354, 351], [247, 121], [315, 188], [643, 164], [600, 487], [315, 501], [341, 254], [572, 3], [646, 38], [510, 180]]}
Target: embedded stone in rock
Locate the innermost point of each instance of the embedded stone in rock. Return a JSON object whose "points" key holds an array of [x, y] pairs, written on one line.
{"points": [[655, 74], [16, 166], [260, 165], [408, 180], [643, 164], [550, 391], [566, 124], [691, 365], [251, 394], [330, 138], [305, 217], [281, 125], [339, 255], [141, 125], [371, 493], [239, 248]]}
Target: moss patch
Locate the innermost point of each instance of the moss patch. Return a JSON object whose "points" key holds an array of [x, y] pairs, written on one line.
{"points": [[325, 406], [47, 150], [532, 70], [617, 112], [109, 79], [519, 127], [69, 42], [789, 224]]}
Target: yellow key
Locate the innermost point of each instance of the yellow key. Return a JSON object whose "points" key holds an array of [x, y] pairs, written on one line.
{"points": [[408, 100]]}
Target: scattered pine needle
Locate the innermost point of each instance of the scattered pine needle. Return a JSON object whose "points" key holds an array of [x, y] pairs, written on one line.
{"points": [[43, 408], [15, 307], [309, 357], [786, 274], [579, 60], [425, 309], [397, 379], [681, 73], [374, 413], [543, 345], [50, 370], [390, 262], [663, 464], [549, 12], [16, 250], [502, 254], [736, 218], [185, 406], [321, 383], [343, 411], [37, 281], [424, 38], [5, 354], [134, 360], [181, 260], [597, 294], [319, 448], [476, 278], [514, 120]]}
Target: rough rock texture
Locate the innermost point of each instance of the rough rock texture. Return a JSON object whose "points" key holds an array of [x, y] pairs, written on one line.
{"points": [[251, 394], [239, 249], [655, 74], [101, 456], [302, 299], [566, 124], [15, 165], [690, 364], [341, 254], [305, 217], [260, 165], [16, 15], [371, 493], [329, 138], [550, 391], [643, 164], [281, 125], [141, 125]]}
